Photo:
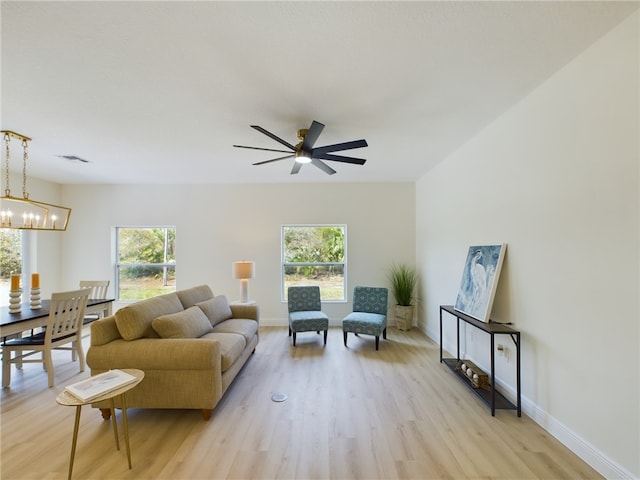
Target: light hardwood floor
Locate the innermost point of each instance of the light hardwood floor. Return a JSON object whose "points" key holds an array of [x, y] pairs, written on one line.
{"points": [[351, 413]]}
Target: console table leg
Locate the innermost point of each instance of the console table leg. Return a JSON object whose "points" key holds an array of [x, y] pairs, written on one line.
{"points": [[441, 335], [518, 375], [493, 377], [458, 339]]}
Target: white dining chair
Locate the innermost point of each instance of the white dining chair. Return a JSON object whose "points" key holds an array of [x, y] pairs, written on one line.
{"points": [[64, 326], [98, 289]]}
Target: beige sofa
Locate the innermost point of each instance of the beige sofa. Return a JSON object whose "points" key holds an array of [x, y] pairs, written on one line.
{"points": [[190, 345]]}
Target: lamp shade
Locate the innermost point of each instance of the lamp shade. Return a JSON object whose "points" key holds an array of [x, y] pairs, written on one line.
{"points": [[244, 269]]}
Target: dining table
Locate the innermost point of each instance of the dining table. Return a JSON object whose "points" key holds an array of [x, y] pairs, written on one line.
{"points": [[28, 318]]}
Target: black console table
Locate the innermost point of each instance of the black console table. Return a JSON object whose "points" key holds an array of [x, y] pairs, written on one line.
{"points": [[493, 398]]}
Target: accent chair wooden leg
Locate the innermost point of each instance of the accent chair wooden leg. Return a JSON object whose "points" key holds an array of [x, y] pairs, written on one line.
{"points": [[384, 333], [289, 331], [377, 341], [325, 336], [294, 339], [206, 414], [344, 334]]}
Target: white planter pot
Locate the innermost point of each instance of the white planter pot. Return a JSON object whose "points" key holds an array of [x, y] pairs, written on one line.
{"points": [[404, 317]]}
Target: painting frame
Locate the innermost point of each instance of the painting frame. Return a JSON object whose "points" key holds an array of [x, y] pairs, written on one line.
{"points": [[480, 280]]}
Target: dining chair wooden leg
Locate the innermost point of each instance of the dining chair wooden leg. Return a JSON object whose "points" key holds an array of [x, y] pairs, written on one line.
{"points": [[80, 352], [48, 362], [6, 367]]}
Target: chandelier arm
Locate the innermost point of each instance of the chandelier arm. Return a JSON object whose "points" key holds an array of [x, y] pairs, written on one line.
{"points": [[25, 157], [7, 190]]}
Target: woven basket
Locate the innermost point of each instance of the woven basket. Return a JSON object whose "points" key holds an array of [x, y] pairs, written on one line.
{"points": [[404, 317], [473, 374]]}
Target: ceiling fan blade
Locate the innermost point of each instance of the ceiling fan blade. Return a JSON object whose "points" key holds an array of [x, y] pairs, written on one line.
{"points": [[341, 158], [273, 160], [296, 168], [340, 146], [323, 166], [276, 138], [312, 136], [260, 148]]}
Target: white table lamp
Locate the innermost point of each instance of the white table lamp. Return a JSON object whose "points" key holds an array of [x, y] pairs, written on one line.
{"points": [[244, 271]]}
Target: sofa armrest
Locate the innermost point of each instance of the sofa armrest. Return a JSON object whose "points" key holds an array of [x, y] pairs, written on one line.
{"points": [[104, 330], [157, 354], [251, 312]]}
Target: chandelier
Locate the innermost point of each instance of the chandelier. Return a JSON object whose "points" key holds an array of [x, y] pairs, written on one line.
{"points": [[24, 213]]}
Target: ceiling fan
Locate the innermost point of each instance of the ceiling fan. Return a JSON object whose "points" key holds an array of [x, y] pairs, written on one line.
{"points": [[304, 152]]}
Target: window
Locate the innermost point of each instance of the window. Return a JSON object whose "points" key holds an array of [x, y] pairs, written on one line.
{"points": [[145, 262], [315, 255], [10, 260]]}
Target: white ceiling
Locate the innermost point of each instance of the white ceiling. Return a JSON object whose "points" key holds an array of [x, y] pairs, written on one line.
{"points": [[158, 92]]}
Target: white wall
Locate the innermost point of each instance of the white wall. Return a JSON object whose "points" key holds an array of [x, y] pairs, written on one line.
{"points": [[219, 224], [556, 178]]}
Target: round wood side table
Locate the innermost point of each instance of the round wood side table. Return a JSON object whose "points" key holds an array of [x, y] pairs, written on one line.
{"points": [[67, 399]]}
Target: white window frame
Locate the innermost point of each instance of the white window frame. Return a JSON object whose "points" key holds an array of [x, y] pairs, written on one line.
{"points": [[118, 265], [283, 265]]}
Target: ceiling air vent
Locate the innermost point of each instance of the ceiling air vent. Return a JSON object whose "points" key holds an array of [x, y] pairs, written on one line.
{"points": [[73, 158]]}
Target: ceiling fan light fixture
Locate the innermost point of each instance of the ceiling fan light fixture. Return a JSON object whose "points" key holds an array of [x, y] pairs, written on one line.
{"points": [[302, 157], [305, 152]]}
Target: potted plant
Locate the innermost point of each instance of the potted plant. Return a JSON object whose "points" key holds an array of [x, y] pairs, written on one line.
{"points": [[403, 285]]}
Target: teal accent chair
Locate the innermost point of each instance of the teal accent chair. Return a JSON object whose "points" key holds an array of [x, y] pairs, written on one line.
{"points": [[305, 311], [369, 314]]}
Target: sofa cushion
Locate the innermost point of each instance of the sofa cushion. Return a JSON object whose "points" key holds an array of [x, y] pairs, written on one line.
{"points": [[216, 309], [231, 347], [193, 295], [247, 328], [134, 321], [190, 323]]}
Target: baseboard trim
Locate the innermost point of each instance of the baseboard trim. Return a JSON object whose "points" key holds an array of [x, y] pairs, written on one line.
{"points": [[590, 454], [598, 460]]}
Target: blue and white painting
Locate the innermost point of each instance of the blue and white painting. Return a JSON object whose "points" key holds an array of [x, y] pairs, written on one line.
{"points": [[480, 280]]}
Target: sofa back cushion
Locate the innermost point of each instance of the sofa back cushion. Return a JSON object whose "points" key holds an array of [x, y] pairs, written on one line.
{"points": [[193, 295], [190, 323], [216, 309], [134, 321]]}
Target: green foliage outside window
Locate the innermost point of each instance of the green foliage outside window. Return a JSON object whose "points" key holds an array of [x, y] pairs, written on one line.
{"points": [[315, 255], [146, 262], [10, 252]]}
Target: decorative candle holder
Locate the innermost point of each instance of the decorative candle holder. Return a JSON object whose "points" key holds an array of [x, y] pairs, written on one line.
{"points": [[15, 301], [34, 300]]}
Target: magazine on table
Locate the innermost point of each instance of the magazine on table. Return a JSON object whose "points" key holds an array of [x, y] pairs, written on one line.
{"points": [[94, 387]]}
